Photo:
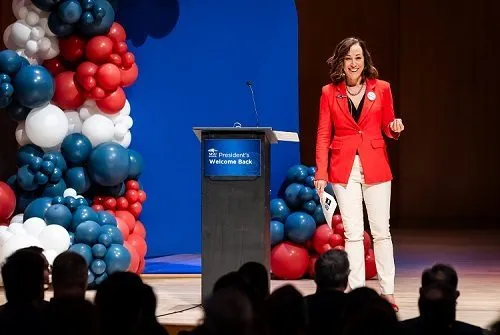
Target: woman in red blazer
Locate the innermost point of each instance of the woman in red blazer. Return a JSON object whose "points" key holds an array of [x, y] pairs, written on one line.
{"points": [[356, 109]]}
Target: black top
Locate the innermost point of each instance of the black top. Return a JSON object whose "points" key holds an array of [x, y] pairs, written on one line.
{"points": [[356, 112]]}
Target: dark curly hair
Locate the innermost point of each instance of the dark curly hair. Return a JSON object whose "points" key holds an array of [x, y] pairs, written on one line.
{"points": [[336, 62]]}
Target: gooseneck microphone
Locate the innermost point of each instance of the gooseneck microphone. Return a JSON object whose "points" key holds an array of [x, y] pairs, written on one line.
{"points": [[250, 86]]}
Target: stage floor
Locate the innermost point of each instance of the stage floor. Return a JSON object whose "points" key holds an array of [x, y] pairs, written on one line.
{"points": [[474, 254]]}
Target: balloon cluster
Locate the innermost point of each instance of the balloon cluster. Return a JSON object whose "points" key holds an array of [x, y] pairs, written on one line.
{"points": [[299, 231], [62, 81]]}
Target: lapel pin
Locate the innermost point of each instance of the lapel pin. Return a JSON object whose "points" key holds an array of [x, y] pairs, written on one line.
{"points": [[371, 96]]}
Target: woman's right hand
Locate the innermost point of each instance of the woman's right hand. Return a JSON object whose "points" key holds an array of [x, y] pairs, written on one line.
{"points": [[320, 186]]}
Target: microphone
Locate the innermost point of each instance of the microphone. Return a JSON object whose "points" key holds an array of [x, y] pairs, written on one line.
{"points": [[250, 84]]}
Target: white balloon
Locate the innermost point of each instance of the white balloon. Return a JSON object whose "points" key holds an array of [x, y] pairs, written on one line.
{"points": [[17, 242], [126, 109], [127, 120], [125, 142], [21, 137], [3, 227], [120, 131], [54, 237], [50, 255], [69, 192], [17, 228], [47, 126], [20, 33], [32, 18], [74, 122], [5, 235], [17, 218], [98, 129], [84, 113], [7, 38], [31, 48], [34, 226], [16, 6]]}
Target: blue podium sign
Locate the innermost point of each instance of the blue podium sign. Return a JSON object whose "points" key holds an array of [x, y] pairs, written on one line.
{"points": [[232, 158]]}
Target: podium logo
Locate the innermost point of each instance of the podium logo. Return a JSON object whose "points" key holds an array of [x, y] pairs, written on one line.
{"points": [[212, 152]]}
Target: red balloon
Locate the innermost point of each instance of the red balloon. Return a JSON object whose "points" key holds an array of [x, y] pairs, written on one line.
{"points": [[128, 59], [132, 185], [128, 218], [117, 33], [115, 59], [97, 93], [312, 263], [289, 260], [326, 248], [110, 203], [122, 203], [367, 242], [98, 49], [108, 77], [135, 209], [7, 201], [122, 225], [336, 219], [336, 240], [132, 196], [142, 196], [135, 259], [321, 237], [98, 200], [142, 265], [98, 208], [339, 247], [139, 244], [120, 47], [370, 265], [339, 229], [72, 48], [139, 229], [113, 103], [129, 76], [54, 65], [67, 94]]}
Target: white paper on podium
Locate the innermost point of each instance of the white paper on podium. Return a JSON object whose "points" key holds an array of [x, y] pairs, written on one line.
{"points": [[329, 205], [286, 136]]}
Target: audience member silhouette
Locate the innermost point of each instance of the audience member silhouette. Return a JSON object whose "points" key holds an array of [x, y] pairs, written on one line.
{"points": [[286, 312]]}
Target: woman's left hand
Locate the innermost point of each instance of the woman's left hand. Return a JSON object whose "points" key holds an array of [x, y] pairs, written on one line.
{"points": [[397, 126]]}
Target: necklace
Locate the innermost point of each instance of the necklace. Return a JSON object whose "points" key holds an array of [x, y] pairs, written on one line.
{"points": [[354, 94]]}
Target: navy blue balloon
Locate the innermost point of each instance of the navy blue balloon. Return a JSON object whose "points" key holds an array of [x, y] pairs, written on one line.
{"points": [[37, 208], [36, 163], [296, 173], [277, 232], [300, 227], [70, 11], [26, 153], [109, 164], [47, 167], [117, 259], [59, 27], [58, 214], [306, 194], [99, 26], [57, 159], [41, 178], [24, 199], [87, 232], [81, 214], [98, 266], [82, 202], [83, 250], [318, 215], [58, 200], [4, 78], [34, 86], [6, 89], [309, 181], [136, 164], [54, 189], [105, 239], [113, 232], [78, 179], [309, 207], [26, 179], [10, 62], [279, 210], [105, 218], [56, 175], [292, 194], [76, 149], [46, 5], [87, 4], [311, 171], [99, 250], [72, 204]]}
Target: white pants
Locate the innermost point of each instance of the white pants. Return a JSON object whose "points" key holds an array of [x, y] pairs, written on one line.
{"points": [[377, 199]]}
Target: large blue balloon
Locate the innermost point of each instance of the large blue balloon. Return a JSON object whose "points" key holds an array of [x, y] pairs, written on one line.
{"points": [[59, 27], [292, 194], [300, 227], [37, 208], [76, 149], [34, 86], [318, 215], [105, 218], [78, 179], [83, 250], [306, 194], [109, 164], [70, 11], [58, 214], [117, 259], [54, 189], [101, 22], [87, 232], [296, 173], [113, 231], [82, 214]]}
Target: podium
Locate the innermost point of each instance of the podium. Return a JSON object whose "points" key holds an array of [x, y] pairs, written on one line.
{"points": [[235, 197]]}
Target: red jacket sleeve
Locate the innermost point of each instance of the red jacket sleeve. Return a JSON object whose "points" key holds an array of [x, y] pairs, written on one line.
{"points": [[323, 138], [388, 113]]}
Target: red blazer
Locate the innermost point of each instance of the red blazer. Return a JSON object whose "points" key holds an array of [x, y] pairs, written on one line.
{"points": [[339, 136]]}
